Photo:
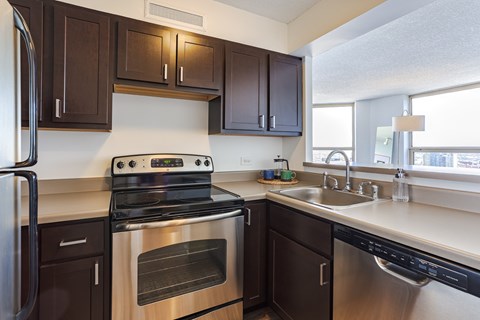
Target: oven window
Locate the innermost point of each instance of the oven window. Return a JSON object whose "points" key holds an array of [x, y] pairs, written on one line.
{"points": [[180, 268]]}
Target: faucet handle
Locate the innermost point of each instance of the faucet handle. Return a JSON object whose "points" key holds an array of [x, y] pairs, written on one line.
{"points": [[361, 184], [326, 177], [374, 192]]}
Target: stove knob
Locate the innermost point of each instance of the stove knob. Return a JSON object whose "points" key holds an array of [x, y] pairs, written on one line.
{"points": [[120, 164], [132, 164], [206, 163], [198, 162]]}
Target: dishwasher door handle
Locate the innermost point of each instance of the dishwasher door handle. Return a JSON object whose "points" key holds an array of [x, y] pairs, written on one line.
{"points": [[406, 275], [131, 226]]}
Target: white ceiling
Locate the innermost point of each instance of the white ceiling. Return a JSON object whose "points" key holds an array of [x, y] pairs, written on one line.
{"points": [[436, 46], [279, 10]]}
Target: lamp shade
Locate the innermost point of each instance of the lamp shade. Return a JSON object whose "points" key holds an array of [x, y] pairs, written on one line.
{"points": [[408, 123]]}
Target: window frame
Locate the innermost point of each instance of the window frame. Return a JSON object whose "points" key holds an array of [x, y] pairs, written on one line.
{"points": [[336, 105], [412, 149]]}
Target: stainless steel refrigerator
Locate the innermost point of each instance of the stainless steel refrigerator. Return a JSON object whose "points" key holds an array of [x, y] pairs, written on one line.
{"points": [[14, 32]]}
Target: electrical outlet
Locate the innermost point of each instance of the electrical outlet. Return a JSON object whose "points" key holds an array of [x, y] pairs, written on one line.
{"points": [[245, 161]]}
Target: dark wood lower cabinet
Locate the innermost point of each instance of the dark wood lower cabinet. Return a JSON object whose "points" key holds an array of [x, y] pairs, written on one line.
{"points": [[74, 272], [298, 290], [299, 264], [72, 290], [255, 246]]}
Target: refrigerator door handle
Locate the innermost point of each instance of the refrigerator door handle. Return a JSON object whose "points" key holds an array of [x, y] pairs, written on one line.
{"points": [[21, 25], [32, 243]]}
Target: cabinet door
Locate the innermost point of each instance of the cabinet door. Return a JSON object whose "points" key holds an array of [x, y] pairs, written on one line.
{"points": [[296, 290], [255, 260], [72, 290], [81, 91], [32, 12], [285, 93], [245, 88], [143, 52], [199, 62]]}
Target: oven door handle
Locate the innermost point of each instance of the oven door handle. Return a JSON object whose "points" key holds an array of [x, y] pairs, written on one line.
{"points": [[132, 226]]}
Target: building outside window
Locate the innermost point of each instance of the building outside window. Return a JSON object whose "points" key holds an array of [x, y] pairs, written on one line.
{"points": [[332, 128], [452, 128]]}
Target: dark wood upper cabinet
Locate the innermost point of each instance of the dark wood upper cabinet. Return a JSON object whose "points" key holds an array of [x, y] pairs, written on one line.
{"points": [[199, 62], [285, 93], [263, 94], [246, 96], [143, 52], [255, 260], [81, 90], [32, 12]]}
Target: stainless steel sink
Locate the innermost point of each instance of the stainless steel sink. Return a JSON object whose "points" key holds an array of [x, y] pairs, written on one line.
{"points": [[325, 197]]}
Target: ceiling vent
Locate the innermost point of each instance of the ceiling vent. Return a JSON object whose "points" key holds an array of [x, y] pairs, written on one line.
{"points": [[173, 17]]}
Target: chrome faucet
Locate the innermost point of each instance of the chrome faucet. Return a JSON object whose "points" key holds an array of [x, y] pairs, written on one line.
{"points": [[347, 167]]}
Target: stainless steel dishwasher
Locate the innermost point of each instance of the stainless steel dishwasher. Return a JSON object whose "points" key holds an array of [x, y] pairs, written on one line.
{"points": [[375, 279]]}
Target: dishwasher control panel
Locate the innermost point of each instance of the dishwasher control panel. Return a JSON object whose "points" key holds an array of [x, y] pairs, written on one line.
{"points": [[452, 274]]}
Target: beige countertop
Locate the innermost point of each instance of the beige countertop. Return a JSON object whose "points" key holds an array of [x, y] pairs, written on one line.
{"points": [[69, 206], [252, 190]]}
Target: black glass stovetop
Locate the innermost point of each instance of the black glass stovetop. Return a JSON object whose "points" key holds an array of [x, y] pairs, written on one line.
{"points": [[169, 203]]}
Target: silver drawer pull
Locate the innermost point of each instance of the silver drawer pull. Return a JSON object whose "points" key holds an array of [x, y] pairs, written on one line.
{"points": [[249, 217], [58, 105], [181, 74], [272, 122], [165, 71], [72, 243], [96, 273], [261, 121], [322, 270]]}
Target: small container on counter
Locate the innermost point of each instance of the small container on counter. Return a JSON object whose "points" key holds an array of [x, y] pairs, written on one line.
{"points": [[400, 187]]}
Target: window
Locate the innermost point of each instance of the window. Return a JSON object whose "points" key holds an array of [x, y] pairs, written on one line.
{"points": [[332, 128], [452, 129]]}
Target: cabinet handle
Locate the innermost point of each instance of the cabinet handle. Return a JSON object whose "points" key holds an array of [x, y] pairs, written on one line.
{"points": [[272, 122], [72, 243], [249, 217], [261, 121], [58, 105], [322, 269], [96, 273], [165, 71], [181, 74]]}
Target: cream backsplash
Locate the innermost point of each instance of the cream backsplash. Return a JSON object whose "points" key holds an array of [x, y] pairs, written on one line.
{"points": [[147, 125]]}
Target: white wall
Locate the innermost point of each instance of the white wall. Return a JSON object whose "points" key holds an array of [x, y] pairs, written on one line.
{"points": [[324, 17], [371, 114], [222, 21], [147, 125]]}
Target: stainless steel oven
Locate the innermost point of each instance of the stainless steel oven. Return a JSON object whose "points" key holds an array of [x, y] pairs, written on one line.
{"points": [[177, 241]]}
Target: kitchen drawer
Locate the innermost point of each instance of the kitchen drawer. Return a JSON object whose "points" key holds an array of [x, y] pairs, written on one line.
{"points": [[71, 241], [310, 232]]}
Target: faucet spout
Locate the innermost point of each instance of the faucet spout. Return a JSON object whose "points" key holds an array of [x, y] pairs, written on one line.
{"points": [[347, 167]]}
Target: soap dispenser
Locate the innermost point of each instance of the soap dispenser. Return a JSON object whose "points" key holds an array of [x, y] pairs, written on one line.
{"points": [[400, 187]]}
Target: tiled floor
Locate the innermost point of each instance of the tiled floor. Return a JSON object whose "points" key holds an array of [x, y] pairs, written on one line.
{"points": [[261, 314]]}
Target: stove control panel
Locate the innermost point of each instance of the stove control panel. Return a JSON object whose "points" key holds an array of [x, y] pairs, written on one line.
{"points": [[154, 163]]}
